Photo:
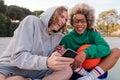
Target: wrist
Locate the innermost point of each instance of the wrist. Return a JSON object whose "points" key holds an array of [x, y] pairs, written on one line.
{"points": [[47, 62], [83, 53]]}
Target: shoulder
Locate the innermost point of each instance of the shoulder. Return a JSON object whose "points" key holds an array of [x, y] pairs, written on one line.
{"points": [[66, 37], [92, 32], [31, 17], [30, 20]]}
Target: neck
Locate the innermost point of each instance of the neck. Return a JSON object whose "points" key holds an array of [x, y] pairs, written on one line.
{"points": [[50, 30]]}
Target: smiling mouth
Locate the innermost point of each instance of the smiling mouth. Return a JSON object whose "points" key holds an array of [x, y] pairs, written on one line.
{"points": [[79, 29], [59, 25]]}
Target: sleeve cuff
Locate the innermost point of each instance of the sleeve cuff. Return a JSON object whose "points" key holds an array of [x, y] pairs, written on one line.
{"points": [[42, 63]]}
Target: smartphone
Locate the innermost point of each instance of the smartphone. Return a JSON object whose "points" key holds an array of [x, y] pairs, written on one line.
{"points": [[69, 53]]}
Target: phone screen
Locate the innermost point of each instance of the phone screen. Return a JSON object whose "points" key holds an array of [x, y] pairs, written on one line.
{"points": [[69, 53]]}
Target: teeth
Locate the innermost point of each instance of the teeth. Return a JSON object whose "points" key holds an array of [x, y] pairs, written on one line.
{"points": [[80, 28]]}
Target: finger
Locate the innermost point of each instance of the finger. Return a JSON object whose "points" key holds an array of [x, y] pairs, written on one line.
{"points": [[63, 63], [80, 64], [65, 59], [58, 48], [60, 67], [56, 53], [61, 52], [75, 65]]}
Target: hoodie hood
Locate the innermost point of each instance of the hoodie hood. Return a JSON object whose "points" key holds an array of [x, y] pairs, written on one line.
{"points": [[45, 17]]}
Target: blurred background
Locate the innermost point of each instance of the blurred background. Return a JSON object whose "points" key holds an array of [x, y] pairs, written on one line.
{"points": [[107, 13]]}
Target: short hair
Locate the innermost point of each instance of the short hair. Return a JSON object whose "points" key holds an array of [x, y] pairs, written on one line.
{"points": [[86, 10], [58, 12]]}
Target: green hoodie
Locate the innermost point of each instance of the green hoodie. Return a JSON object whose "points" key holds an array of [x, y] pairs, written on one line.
{"points": [[99, 47]]}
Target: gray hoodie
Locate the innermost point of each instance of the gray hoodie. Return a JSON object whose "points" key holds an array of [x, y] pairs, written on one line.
{"points": [[31, 44]]}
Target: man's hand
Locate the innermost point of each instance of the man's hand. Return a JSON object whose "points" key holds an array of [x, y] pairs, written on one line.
{"points": [[79, 59], [56, 62]]}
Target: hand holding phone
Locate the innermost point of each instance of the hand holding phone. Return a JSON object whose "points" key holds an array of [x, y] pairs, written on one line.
{"points": [[69, 53]]}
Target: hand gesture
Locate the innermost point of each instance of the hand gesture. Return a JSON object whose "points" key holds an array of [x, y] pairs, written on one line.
{"points": [[79, 59], [56, 62], [60, 49]]}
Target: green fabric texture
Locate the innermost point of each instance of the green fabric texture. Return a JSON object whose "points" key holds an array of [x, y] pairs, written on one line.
{"points": [[99, 47]]}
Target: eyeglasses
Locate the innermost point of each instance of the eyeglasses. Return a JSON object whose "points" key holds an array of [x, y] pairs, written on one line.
{"points": [[83, 21]]}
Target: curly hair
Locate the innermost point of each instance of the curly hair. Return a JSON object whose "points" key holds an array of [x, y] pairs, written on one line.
{"points": [[86, 10]]}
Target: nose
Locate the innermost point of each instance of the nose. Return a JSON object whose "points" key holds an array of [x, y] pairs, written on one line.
{"points": [[64, 21], [79, 23]]}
